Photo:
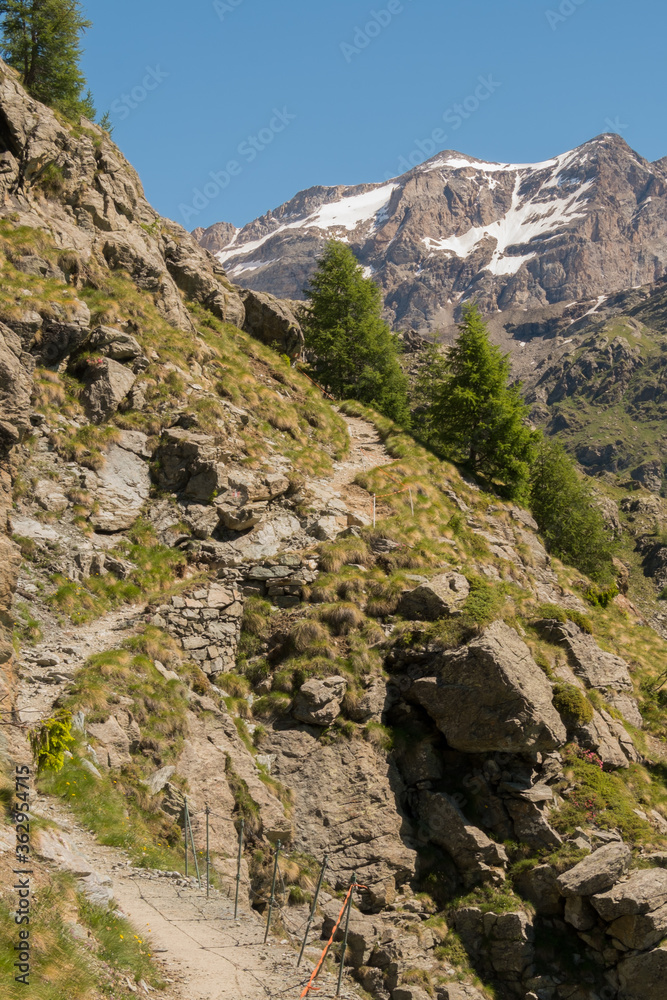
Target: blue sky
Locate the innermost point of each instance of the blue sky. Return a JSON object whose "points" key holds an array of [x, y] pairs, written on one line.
{"points": [[273, 96]]}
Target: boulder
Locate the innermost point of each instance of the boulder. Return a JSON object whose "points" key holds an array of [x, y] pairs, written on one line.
{"points": [[443, 595], [63, 330], [650, 475], [115, 344], [121, 488], [643, 976], [202, 520], [409, 993], [267, 538], [318, 701], [597, 735], [240, 518], [269, 319], [509, 948], [593, 665], [136, 442], [54, 845], [530, 823], [539, 886], [113, 740], [644, 891], [107, 385], [598, 872], [189, 463], [50, 495], [491, 696], [474, 854], [363, 933], [327, 528], [458, 991], [579, 913], [372, 703], [640, 931], [157, 781], [97, 889], [627, 706]]}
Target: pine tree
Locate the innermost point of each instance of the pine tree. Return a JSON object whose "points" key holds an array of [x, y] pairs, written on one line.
{"points": [[471, 412], [41, 40], [356, 354], [564, 507]]}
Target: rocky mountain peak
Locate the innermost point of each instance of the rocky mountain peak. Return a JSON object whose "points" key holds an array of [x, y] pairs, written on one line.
{"points": [[513, 236]]}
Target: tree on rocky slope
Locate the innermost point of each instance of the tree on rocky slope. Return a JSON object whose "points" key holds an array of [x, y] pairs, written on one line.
{"points": [[41, 39], [564, 507], [356, 354], [471, 412]]}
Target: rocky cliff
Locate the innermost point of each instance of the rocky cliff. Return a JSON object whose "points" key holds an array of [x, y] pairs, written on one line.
{"points": [[515, 237], [292, 612]]}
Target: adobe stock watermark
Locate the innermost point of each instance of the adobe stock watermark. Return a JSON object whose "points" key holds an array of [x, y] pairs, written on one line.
{"points": [[378, 20], [224, 7], [248, 151], [616, 125], [454, 116], [564, 11], [127, 103]]}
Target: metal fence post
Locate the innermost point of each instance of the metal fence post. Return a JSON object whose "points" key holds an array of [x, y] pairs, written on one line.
{"points": [[347, 928], [208, 859], [238, 868], [312, 909], [185, 833], [272, 898], [194, 849]]}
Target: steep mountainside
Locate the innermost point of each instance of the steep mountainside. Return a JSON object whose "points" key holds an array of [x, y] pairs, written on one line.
{"points": [[516, 237], [249, 598]]}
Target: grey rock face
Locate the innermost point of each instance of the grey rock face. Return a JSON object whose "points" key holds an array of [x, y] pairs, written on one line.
{"points": [[443, 595], [459, 991], [121, 488], [472, 851], [363, 932], [113, 740], [491, 695], [643, 892], [189, 463], [650, 475], [354, 815], [539, 886], [115, 344], [597, 668], [108, 383], [643, 977], [640, 931], [598, 872], [318, 701], [157, 781], [269, 319], [15, 384]]}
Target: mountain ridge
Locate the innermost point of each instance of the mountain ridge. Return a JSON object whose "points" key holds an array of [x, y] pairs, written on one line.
{"points": [[587, 222]]}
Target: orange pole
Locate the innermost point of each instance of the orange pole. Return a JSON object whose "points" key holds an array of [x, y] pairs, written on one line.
{"points": [[319, 965]]}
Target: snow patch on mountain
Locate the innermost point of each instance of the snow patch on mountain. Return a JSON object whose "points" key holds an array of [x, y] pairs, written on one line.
{"points": [[347, 213], [523, 223]]}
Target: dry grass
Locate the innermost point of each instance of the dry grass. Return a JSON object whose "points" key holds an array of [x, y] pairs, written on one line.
{"points": [[341, 618], [305, 634]]}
